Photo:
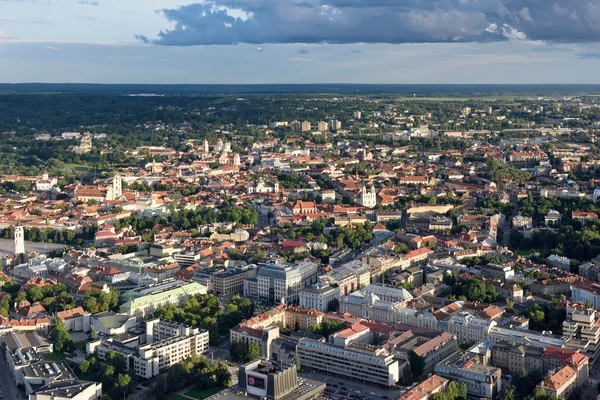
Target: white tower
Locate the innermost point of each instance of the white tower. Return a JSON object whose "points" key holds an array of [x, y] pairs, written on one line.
{"points": [[117, 187], [219, 146], [227, 148], [368, 198], [19, 240], [205, 147]]}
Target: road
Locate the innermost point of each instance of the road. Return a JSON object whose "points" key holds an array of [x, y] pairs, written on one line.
{"points": [[7, 247], [6, 380]]}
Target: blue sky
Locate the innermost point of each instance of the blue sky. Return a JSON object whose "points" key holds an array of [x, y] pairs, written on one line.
{"points": [[299, 41]]}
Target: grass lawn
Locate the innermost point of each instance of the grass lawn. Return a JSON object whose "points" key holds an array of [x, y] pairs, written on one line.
{"points": [[79, 167], [203, 394], [81, 346], [176, 397], [54, 356], [524, 253]]}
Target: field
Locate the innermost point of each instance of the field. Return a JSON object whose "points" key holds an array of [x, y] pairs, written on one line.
{"points": [[54, 356]]}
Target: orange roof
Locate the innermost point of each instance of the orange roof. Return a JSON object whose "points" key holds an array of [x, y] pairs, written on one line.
{"points": [[560, 379], [352, 330], [73, 313], [425, 388]]}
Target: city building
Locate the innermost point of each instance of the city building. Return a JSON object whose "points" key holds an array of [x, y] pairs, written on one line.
{"points": [[318, 296], [482, 381], [268, 380], [75, 319], [424, 390], [280, 282], [363, 363], [166, 344], [561, 384], [144, 301]]}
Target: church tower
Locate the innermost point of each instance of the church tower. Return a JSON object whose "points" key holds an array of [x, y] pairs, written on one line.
{"points": [[205, 147], [368, 198], [19, 240], [117, 187]]}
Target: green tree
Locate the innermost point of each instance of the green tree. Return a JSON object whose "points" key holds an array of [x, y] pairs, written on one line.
{"points": [[160, 388], [417, 364], [222, 374], [253, 352], [60, 336]]}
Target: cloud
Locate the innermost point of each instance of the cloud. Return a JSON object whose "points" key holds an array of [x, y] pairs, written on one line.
{"points": [[85, 16], [356, 51], [216, 22], [259, 49], [52, 48], [88, 3], [589, 55], [4, 36], [302, 51]]}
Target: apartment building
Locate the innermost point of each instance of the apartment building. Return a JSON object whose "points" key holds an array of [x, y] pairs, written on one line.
{"points": [[481, 380], [515, 357], [166, 343], [426, 389], [561, 384], [495, 271]]}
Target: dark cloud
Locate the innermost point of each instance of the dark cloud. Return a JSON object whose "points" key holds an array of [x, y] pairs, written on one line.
{"points": [[356, 51], [380, 21], [302, 51]]}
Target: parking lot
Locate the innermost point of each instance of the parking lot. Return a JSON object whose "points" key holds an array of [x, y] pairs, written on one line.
{"points": [[338, 388]]}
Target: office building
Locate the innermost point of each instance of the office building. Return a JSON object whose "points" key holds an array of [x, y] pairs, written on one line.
{"points": [[363, 363], [267, 380], [318, 296], [280, 282], [227, 281]]}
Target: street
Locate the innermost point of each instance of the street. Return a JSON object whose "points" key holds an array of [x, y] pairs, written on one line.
{"points": [[7, 384]]}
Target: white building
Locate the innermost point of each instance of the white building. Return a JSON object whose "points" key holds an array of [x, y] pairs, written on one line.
{"points": [[318, 296], [377, 366], [19, 240], [280, 282], [469, 328], [142, 302], [45, 183], [166, 344], [368, 198]]}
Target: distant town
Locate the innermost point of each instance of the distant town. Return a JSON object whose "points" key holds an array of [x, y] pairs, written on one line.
{"points": [[294, 246]]}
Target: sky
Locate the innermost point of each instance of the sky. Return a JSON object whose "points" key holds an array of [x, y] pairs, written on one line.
{"points": [[300, 41]]}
